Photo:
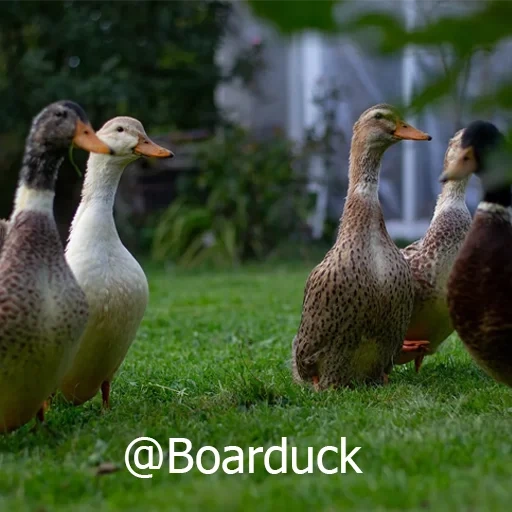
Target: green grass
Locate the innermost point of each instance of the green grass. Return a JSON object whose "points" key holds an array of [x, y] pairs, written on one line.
{"points": [[211, 363]]}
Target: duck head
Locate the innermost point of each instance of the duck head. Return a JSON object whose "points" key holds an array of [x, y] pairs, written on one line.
{"points": [[453, 152], [480, 141], [482, 153], [127, 137], [61, 124], [382, 126], [454, 147], [53, 131]]}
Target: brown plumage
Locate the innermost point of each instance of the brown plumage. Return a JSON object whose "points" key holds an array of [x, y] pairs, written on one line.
{"points": [[358, 300], [42, 314], [431, 260], [43, 311], [480, 285]]}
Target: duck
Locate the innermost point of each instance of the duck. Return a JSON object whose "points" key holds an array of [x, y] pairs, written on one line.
{"points": [[43, 310], [431, 260], [358, 300], [113, 281], [480, 283]]}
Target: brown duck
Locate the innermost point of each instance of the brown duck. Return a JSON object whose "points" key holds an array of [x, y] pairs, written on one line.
{"points": [[43, 311], [358, 300], [431, 260], [480, 284]]}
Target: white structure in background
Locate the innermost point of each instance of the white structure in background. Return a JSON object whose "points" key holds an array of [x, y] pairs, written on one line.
{"points": [[409, 183], [305, 67], [409, 227]]}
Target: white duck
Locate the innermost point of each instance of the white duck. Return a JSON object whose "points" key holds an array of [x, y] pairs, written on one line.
{"points": [[114, 283]]}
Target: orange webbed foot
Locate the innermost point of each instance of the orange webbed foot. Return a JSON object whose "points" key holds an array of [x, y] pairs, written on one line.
{"points": [[316, 382], [413, 351], [413, 346]]}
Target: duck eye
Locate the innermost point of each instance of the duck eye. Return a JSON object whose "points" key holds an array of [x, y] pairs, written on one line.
{"points": [[59, 113], [379, 115], [120, 129]]}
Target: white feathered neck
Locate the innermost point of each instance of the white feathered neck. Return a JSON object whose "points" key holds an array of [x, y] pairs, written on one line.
{"points": [[95, 212]]}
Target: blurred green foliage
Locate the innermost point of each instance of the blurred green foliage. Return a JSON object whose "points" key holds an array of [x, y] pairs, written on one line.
{"points": [[470, 27], [248, 198], [293, 15], [479, 26], [152, 60]]}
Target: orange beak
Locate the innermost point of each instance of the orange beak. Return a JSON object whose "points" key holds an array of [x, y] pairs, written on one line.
{"points": [[147, 147], [85, 138], [407, 132]]}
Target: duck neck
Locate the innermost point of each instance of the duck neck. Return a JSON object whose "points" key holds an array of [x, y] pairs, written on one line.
{"points": [[362, 214], [101, 180], [453, 192], [99, 190], [364, 169], [38, 175]]}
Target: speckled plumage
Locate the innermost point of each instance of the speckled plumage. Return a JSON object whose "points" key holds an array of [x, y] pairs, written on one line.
{"points": [[480, 284], [42, 315], [431, 260], [358, 300], [43, 311]]}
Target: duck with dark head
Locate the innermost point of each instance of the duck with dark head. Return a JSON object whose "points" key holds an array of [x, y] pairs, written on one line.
{"points": [[43, 311], [480, 284]]}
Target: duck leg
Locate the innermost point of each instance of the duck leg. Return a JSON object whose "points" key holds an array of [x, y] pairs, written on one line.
{"points": [[316, 381], [40, 417], [105, 393], [40, 413], [413, 350]]}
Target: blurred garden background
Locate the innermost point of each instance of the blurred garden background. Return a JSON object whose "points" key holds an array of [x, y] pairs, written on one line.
{"points": [[257, 99]]}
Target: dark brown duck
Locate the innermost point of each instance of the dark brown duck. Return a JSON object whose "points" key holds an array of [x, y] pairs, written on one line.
{"points": [[480, 284]]}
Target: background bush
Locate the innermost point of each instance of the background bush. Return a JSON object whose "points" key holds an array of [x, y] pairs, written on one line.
{"points": [[248, 198], [152, 60]]}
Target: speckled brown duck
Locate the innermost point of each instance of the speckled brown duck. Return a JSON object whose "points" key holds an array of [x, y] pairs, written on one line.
{"points": [[358, 300], [480, 284], [43, 311], [431, 260]]}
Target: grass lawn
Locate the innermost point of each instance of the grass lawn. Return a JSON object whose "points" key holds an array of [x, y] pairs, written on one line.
{"points": [[211, 363]]}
